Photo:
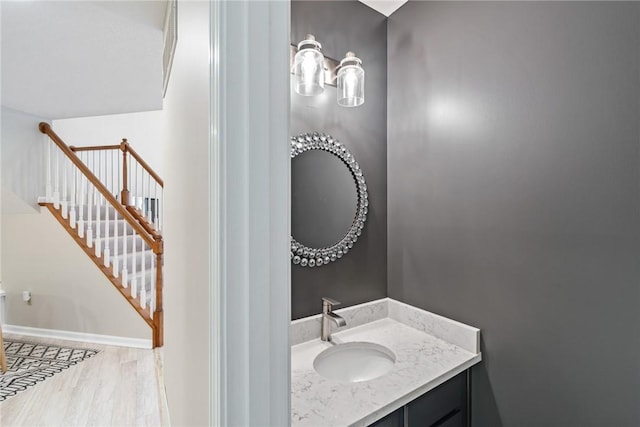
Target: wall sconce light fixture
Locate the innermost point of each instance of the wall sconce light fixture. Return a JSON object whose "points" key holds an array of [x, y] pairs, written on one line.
{"points": [[309, 67], [350, 81], [312, 71]]}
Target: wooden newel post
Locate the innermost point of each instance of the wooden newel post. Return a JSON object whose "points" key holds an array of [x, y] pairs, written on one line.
{"points": [[158, 314], [124, 195]]}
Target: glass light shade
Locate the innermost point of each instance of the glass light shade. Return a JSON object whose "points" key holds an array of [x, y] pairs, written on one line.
{"points": [[309, 68], [350, 81]]}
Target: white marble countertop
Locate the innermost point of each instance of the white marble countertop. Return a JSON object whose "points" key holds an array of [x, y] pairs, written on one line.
{"points": [[429, 350]]}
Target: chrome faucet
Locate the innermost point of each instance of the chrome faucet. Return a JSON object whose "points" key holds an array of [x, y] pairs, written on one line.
{"points": [[329, 316]]}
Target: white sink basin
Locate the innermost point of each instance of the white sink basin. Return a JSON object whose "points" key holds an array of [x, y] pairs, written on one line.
{"points": [[354, 362]]}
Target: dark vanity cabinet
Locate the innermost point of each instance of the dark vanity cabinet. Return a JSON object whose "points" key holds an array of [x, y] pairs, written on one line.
{"points": [[445, 406], [394, 419]]}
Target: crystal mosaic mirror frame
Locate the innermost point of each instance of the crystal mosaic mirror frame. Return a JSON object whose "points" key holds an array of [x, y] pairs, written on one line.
{"points": [[315, 257]]}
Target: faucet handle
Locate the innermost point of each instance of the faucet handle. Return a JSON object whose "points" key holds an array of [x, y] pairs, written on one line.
{"points": [[328, 302]]}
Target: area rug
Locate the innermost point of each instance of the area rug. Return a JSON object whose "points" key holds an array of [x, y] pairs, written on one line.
{"points": [[29, 363]]}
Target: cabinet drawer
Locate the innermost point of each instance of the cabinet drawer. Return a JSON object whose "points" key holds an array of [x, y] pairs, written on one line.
{"points": [[455, 420], [446, 405], [394, 419]]}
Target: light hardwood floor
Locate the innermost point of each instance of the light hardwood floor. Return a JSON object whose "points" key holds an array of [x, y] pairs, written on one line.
{"points": [[117, 387]]}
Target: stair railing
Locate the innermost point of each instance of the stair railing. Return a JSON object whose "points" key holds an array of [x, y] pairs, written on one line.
{"points": [[130, 179], [86, 196]]}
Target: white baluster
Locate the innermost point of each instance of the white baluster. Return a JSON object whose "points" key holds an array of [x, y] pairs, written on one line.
{"points": [[141, 201], [99, 167], [134, 286], [107, 171], [64, 203], [48, 189], [98, 210], [134, 182], [116, 242], [143, 287], [90, 197], [159, 208], [106, 252], [138, 201], [56, 189], [130, 182], [116, 173], [134, 262], [119, 177], [130, 179], [155, 205], [125, 276], [109, 166], [148, 199], [142, 190], [81, 204], [153, 285], [143, 297], [107, 156], [74, 197]]}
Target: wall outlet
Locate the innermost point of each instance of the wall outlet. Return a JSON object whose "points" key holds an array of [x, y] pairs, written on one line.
{"points": [[26, 297]]}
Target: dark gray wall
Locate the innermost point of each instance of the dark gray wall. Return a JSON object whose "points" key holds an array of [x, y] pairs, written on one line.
{"points": [[340, 26], [514, 200]]}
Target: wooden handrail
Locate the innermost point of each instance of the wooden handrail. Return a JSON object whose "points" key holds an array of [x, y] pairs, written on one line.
{"points": [[46, 129], [124, 146], [94, 148], [142, 163], [143, 221]]}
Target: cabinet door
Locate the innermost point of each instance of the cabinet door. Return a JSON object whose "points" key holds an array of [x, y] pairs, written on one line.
{"points": [[394, 419], [446, 405]]}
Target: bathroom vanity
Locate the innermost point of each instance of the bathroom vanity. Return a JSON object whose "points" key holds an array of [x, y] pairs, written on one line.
{"points": [[391, 365], [444, 406]]}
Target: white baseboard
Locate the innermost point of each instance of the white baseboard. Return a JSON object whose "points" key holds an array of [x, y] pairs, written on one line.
{"points": [[77, 336]]}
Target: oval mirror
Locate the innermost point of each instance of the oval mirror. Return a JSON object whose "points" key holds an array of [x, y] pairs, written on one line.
{"points": [[329, 201], [322, 206]]}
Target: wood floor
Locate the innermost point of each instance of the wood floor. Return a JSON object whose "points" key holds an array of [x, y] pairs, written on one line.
{"points": [[117, 387]]}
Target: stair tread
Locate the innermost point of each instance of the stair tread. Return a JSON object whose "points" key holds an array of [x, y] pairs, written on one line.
{"points": [[146, 252]]}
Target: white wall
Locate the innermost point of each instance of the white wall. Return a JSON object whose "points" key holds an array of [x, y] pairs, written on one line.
{"points": [[23, 153], [143, 131], [68, 291], [186, 234]]}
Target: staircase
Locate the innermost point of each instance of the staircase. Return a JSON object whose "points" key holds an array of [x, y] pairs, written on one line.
{"points": [[110, 202]]}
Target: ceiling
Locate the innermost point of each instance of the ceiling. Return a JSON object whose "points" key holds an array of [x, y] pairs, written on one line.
{"points": [[385, 7], [63, 59]]}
